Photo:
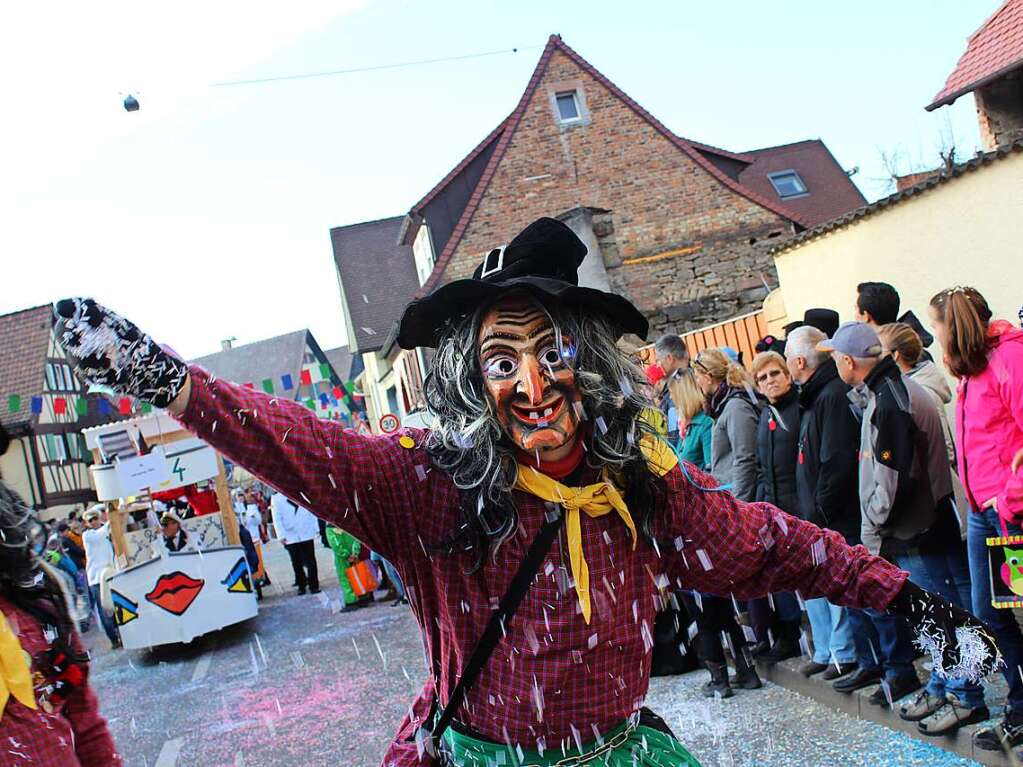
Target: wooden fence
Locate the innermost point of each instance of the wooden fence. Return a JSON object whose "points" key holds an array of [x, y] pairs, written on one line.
{"points": [[740, 333]]}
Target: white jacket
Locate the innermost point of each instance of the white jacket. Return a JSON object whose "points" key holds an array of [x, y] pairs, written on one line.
{"points": [[99, 551], [292, 522]]}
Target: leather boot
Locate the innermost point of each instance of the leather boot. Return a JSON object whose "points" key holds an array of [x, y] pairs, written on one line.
{"points": [[718, 684], [746, 677]]}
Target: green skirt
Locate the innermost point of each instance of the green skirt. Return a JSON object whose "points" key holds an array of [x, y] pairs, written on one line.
{"points": [[628, 745]]}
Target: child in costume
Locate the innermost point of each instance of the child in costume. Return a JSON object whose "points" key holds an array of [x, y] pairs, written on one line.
{"points": [[346, 549], [49, 716], [538, 487]]}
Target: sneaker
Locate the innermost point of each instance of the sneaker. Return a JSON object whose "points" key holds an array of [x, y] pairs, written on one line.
{"points": [[836, 672], [899, 687], [1008, 733], [951, 716], [863, 677], [301, 592], [921, 707], [812, 667]]}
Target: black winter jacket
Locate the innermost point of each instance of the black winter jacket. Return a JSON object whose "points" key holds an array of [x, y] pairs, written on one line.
{"points": [[777, 448], [826, 462]]}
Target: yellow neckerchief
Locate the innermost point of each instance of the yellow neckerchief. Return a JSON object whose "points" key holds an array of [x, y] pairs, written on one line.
{"points": [[15, 671], [595, 501]]}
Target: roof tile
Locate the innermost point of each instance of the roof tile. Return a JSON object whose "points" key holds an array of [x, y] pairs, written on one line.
{"points": [[993, 50]]}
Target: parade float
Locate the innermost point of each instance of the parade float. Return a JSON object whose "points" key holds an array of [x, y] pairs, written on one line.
{"points": [[159, 596]]}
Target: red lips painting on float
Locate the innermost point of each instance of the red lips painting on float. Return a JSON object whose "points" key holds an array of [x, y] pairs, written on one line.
{"points": [[175, 592]]}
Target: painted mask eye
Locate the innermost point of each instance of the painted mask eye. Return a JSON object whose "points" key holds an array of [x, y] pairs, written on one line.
{"points": [[499, 367], [1013, 561], [550, 356]]}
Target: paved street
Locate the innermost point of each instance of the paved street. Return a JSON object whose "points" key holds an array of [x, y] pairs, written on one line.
{"points": [[302, 686]]}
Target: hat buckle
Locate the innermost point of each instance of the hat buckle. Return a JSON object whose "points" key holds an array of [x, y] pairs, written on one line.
{"points": [[492, 267]]}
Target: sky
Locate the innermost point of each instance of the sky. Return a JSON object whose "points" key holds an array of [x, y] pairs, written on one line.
{"points": [[206, 214]]}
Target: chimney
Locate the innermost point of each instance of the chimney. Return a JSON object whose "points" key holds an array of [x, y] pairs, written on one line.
{"points": [[225, 345]]}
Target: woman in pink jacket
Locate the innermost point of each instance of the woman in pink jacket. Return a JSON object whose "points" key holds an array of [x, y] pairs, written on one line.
{"points": [[987, 358]]}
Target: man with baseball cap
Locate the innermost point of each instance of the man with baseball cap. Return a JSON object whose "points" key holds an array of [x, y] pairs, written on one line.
{"points": [[904, 478]]}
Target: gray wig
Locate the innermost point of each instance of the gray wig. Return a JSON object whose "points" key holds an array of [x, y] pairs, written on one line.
{"points": [[468, 443]]}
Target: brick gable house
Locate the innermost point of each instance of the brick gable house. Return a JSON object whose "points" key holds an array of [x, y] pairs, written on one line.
{"points": [[681, 228], [669, 223]]}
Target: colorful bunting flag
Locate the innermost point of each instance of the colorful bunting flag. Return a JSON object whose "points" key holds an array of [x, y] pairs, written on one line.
{"points": [[286, 382], [124, 406], [104, 406], [37, 405], [268, 385], [145, 407], [59, 405], [306, 378], [325, 371], [310, 403], [13, 403], [338, 392], [249, 385], [82, 407]]}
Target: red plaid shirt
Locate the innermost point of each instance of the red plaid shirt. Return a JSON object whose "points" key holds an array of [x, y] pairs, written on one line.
{"points": [[553, 678], [72, 734]]}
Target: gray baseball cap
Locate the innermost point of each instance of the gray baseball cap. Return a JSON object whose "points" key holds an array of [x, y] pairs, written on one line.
{"points": [[857, 339]]}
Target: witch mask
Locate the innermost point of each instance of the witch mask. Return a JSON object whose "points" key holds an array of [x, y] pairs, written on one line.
{"points": [[528, 374]]}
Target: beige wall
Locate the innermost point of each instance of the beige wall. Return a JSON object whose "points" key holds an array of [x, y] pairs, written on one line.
{"points": [[967, 231], [13, 470]]}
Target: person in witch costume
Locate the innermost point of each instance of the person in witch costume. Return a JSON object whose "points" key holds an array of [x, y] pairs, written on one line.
{"points": [[49, 715], [539, 486]]}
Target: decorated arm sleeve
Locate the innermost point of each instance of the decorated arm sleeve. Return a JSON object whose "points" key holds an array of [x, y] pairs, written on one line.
{"points": [[727, 547], [364, 484]]}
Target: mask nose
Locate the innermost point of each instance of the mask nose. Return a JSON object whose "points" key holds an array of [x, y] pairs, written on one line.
{"points": [[531, 383]]}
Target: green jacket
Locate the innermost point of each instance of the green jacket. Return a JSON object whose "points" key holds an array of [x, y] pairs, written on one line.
{"points": [[696, 442], [344, 544]]}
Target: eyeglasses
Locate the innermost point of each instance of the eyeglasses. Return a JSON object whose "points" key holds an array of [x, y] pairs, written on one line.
{"points": [[772, 373]]}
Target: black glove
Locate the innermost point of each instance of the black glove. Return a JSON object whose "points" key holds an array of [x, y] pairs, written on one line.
{"points": [[960, 645], [108, 349]]}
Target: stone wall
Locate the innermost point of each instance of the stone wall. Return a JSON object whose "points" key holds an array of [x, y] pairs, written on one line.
{"points": [[675, 240]]}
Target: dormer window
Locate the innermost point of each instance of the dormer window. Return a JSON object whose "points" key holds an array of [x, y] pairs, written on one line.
{"points": [[787, 184], [568, 107]]}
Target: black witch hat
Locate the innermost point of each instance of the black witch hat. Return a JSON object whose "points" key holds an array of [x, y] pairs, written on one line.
{"points": [[544, 260]]}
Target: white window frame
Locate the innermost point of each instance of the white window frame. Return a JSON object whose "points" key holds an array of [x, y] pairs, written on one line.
{"points": [[423, 253], [794, 174], [576, 101]]}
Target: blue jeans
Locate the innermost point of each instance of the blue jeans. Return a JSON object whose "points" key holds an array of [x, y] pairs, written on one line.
{"points": [[883, 641], [981, 525], [832, 632], [392, 574], [947, 574], [785, 606], [105, 618]]}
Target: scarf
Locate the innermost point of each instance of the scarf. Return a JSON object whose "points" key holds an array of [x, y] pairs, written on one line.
{"points": [[594, 500], [15, 671]]}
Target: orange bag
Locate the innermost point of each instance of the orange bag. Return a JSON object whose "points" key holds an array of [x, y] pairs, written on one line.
{"points": [[362, 578]]}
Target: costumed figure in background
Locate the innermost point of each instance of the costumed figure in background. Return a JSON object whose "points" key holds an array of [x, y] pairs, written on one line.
{"points": [[534, 522], [346, 549], [49, 716], [175, 538]]}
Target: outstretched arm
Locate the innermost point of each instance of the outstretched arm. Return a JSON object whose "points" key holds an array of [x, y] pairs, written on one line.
{"points": [[748, 550], [364, 483]]}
